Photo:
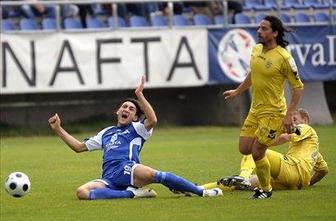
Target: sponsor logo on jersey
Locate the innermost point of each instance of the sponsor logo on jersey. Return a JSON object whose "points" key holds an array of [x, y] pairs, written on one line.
{"points": [[272, 134], [114, 142], [268, 64]]}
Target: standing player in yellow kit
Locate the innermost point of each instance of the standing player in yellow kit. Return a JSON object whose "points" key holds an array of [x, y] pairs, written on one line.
{"points": [[302, 165], [271, 65]]}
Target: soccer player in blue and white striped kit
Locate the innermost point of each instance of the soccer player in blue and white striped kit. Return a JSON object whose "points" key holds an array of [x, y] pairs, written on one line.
{"points": [[123, 176]]}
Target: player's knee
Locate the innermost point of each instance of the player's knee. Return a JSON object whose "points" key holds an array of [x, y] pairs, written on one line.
{"points": [[82, 193], [245, 145], [144, 176], [152, 175], [244, 149], [149, 176]]}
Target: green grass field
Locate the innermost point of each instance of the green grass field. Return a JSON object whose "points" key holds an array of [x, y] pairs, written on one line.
{"points": [[201, 154]]}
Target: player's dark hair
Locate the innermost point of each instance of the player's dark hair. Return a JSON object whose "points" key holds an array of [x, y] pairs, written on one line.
{"points": [[278, 26], [139, 112]]}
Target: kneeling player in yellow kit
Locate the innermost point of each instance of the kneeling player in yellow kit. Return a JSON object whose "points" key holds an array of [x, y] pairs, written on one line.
{"points": [[300, 167]]}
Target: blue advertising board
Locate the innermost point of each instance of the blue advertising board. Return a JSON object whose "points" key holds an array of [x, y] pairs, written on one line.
{"points": [[312, 47]]}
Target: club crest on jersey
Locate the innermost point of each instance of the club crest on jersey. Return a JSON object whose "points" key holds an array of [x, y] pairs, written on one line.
{"points": [[268, 64], [272, 134], [234, 54]]}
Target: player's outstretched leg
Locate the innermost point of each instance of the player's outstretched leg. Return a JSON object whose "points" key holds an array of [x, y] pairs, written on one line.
{"points": [[98, 189], [216, 184], [107, 193], [130, 192], [177, 183]]}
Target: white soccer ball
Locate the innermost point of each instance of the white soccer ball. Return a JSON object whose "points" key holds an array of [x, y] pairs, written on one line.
{"points": [[17, 184]]}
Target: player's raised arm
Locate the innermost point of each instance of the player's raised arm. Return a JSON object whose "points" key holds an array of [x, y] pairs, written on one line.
{"points": [[246, 84], [73, 143], [151, 119]]}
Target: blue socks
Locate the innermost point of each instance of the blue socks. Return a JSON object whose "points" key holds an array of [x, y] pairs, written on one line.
{"points": [[177, 183], [107, 193], [168, 179]]}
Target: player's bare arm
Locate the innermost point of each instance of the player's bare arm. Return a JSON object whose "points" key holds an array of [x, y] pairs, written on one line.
{"points": [[288, 120], [151, 118], [283, 138], [73, 143], [320, 170], [317, 176], [246, 84]]}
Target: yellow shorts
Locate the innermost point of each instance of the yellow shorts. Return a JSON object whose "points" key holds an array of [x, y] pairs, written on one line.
{"points": [[289, 178], [265, 128], [287, 173]]}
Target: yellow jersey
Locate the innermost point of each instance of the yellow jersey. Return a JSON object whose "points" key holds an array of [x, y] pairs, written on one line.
{"points": [[303, 150], [269, 70]]}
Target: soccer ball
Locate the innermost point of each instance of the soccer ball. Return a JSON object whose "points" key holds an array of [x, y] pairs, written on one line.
{"points": [[17, 184]]}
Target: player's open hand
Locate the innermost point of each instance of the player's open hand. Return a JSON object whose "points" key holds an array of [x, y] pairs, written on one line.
{"points": [[55, 122], [230, 94], [139, 89]]}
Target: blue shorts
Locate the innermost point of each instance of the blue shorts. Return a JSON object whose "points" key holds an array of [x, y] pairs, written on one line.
{"points": [[121, 175]]}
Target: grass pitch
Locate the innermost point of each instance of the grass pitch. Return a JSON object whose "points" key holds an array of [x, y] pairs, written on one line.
{"points": [[200, 154]]}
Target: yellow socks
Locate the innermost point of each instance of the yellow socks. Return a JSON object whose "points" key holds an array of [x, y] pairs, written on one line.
{"points": [[215, 185], [264, 173], [208, 186], [247, 166]]}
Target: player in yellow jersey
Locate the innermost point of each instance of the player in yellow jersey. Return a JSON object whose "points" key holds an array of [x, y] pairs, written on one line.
{"points": [[271, 65], [300, 167]]}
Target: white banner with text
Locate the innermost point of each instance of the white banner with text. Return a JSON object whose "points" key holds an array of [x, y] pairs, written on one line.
{"points": [[86, 61]]}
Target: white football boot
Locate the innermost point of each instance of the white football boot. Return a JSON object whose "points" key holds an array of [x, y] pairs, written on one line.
{"points": [[142, 192]]}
